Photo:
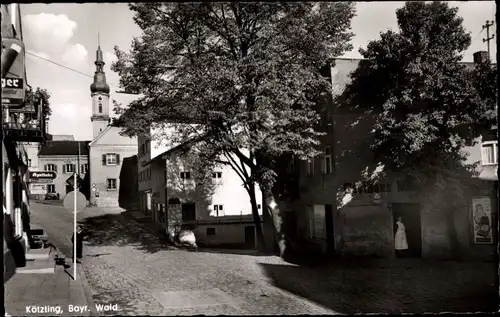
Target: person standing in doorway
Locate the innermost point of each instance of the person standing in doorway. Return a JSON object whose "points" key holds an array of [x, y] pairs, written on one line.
{"points": [[400, 241]]}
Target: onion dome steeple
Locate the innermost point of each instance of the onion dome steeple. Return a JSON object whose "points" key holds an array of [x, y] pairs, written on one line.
{"points": [[99, 85]]}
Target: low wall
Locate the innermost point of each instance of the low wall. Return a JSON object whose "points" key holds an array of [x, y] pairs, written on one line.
{"points": [[365, 230], [226, 234]]}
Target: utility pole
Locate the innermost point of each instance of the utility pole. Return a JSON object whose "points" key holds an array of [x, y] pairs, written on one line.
{"points": [[488, 38]]}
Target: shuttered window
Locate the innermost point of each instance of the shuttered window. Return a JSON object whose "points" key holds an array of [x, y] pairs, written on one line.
{"points": [[111, 183], [111, 159], [50, 167]]}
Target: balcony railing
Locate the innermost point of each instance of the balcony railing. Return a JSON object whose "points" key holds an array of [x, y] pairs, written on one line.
{"points": [[24, 127]]}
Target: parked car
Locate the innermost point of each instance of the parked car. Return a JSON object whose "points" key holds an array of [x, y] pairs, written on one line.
{"points": [[51, 196]]}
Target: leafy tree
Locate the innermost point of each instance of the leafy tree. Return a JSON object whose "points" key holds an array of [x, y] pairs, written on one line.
{"points": [[34, 97], [248, 72], [427, 105]]}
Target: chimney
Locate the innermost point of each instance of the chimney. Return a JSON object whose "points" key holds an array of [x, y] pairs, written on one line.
{"points": [[481, 57]]}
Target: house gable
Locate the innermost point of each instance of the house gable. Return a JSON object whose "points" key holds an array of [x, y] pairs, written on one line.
{"points": [[111, 137]]}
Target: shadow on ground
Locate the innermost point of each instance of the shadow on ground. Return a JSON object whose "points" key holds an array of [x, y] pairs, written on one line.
{"points": [[399, 286], [120, 230], [226, 250]]}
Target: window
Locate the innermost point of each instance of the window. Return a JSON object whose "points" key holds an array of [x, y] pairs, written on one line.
{"points": [[210, 231], [100, 108], [185, 175], [384, 188], [51, 188], [84, 168], [327, 160], [292, 164], [219, 210], [217, 177], [489, 153], [310, 167], [111, 183], [111, 159], [258, 206], [68, 168], [50, 167], [161, 211], [100, 98], [29, 162]]}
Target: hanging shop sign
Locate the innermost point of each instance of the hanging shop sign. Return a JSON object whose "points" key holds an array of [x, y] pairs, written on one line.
{"points": [[14, 83], [37, 176]]}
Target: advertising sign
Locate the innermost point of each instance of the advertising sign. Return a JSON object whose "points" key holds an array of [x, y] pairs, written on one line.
{"points": [[38, 189], [14, 83], [481, 220], [42, 176]]}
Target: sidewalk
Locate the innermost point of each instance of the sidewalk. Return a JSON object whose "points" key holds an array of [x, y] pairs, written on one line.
{"points": [[43, 288]]}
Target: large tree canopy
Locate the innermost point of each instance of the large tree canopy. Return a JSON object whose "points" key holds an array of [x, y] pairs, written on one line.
{"points": [[249, 72], [427, 104]]}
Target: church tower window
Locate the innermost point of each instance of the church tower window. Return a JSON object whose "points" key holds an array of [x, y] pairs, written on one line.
{"points": [[100, 108]]}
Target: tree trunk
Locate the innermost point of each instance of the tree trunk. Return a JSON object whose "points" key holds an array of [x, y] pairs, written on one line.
{"points": [[272, 211], [261, 244]]}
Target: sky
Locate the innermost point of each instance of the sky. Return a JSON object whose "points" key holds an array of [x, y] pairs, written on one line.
{"points": [[67, 34]]}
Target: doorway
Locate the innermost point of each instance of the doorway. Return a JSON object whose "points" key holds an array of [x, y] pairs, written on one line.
{"points": [[188, 211], [290, 221], [250, 237], [411, 219]]}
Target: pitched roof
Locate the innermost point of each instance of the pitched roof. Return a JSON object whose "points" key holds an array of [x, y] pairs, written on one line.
{"points": [[64, 148]]}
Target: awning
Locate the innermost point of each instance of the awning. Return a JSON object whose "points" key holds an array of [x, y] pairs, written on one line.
{"points": [[489, 172]]}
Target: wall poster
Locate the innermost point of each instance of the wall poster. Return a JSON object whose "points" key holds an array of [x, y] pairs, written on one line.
{"points": [[481, 220]]}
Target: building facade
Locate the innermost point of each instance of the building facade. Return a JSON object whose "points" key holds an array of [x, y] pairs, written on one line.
{"points": [[64, 158], [21, 123], [218, 210], [112, 157], [363, 223]]}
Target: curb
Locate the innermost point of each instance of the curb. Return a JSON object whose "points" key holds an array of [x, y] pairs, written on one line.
{"points": [[86, 289]]}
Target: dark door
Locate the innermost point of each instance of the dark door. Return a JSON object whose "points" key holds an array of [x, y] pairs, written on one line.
{"points": [[412, 222], [188, 212], [250, 237], [330, 237]]}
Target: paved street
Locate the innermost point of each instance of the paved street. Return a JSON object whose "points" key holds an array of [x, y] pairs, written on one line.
{"points": [[127, 266]]}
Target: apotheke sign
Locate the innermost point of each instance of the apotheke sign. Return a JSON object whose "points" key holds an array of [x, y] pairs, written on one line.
{"points": [[43, 175]]}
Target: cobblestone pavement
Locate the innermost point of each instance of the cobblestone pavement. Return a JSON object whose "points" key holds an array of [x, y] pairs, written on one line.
{"points": [[136, 269], [128, 266]]}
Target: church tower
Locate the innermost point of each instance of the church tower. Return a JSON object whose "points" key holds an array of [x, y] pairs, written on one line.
{"points": [[99, 90]]}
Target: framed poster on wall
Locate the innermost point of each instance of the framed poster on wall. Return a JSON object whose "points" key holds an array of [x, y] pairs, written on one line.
{"points": [[481, 220]]}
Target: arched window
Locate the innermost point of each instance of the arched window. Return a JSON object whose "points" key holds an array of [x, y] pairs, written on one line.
{"points": [[174, 201], [100, 108]]}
